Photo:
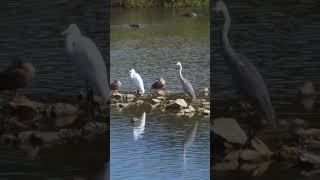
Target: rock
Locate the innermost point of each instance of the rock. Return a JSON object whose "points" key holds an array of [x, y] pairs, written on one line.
{"points": [[37, 137], [298, 122], [177, 104], [65, 121], [62, 109], [308, 132], [161, 98], [289, 153], [130, 97], [230, 130], [139, 101], [122, 105], [156, 101], [250, 155], [190, 14], [257, 169], [187, 110], [160, 93], [310, 158], [232, 156], [227, 166], [307, 89], [206, 105], [206, 112], [26, 110], [8, 139], [205, 89], [191, 108], [260, 147], [117, 95]]}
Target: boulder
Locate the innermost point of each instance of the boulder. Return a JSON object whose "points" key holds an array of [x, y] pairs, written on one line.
{"points": [[262, 148], [250, 155], [62, 109], [230, 130], [156, 101], [177, 105]]}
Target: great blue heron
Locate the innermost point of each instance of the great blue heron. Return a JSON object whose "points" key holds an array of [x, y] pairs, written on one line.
{"points": [[89, 62], [246, 78], [187, 87], [115, 86], [137, 80], [16, 77]]}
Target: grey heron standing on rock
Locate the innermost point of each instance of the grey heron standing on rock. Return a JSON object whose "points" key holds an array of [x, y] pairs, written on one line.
{"points": [[187, 87], [137, 81], [88, 60], [246, 78]]}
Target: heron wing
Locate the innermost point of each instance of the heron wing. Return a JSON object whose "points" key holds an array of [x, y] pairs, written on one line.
{"points": [[188, 88], [254, 87], [91, 65], [138, 82]]}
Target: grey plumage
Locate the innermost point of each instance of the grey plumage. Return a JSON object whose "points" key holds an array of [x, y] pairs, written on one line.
{"points": [[187, 87]]}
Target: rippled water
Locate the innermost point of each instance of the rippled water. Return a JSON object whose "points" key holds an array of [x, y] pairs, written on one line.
{"points": [[282, 38], [154, 49], [168, 147]]}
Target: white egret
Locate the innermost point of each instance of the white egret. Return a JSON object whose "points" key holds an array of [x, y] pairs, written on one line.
{"points": [[187, 87], [137, 80], [89, 62]]}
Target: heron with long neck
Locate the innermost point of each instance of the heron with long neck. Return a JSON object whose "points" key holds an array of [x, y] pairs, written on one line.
{"points": [[246, 78], [187, 87]]}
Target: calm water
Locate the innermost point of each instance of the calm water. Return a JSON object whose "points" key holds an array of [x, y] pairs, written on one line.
{"points": [[168, 147], [282, 38], [31, 30], [153, 50]]}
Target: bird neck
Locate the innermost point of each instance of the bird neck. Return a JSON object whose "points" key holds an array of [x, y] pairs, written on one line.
{"points": [[180, 71], [225, 33]]}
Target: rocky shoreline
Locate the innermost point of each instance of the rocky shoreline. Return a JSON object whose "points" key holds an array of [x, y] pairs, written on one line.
{"points": [[171, 103], [35, 126], [295, 144]]}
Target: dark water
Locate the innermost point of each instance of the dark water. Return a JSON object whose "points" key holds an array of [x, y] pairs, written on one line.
{"points": [[282, 38], [32, 30], [167, 147], [154, 49]]}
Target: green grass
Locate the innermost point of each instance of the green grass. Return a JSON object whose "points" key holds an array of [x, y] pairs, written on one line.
{"points": [[160, 3]]}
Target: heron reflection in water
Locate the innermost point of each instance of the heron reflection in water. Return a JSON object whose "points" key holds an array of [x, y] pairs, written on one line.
{"points": [[189, 137]]}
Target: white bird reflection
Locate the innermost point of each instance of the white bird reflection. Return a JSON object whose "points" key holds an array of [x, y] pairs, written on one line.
{"points": [[189, 137], [139, 126]]}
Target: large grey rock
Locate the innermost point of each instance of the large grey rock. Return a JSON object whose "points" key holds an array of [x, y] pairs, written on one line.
{"points": [[177, 105], [230, 130]]}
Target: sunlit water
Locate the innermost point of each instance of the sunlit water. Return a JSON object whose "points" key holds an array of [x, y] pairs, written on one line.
{"points": [[167, 147], [282, 40]]}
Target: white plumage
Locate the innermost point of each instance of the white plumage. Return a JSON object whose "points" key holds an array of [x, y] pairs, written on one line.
{"points": [[87, 58], [139, 127], [137, 80]]}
